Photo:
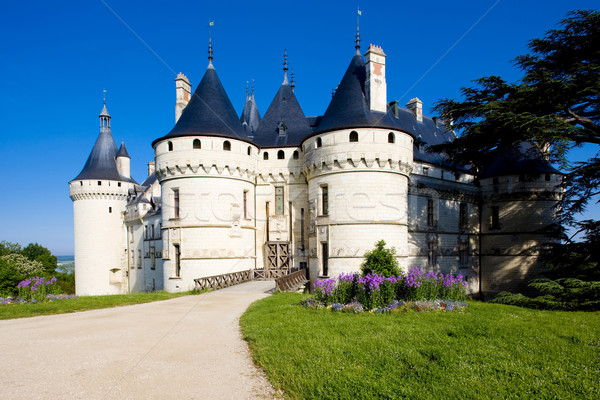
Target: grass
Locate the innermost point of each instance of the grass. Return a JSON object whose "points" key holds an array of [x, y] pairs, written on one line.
{"points": [[490, 351], [84, 303]]}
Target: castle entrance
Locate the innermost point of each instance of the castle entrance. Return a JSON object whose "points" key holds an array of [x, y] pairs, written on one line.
{"points": [[277, 259]]}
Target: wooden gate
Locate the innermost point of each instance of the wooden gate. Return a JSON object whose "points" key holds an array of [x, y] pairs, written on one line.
{"points": [[278, 255]]}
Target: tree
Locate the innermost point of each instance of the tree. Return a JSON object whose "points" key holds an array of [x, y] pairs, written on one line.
{"points": [[37, 252], [380, 260], [9, 248], [555, 105]]}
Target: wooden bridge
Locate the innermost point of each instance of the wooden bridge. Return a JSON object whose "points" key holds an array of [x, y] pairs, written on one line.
{"points": [[284, 280]]}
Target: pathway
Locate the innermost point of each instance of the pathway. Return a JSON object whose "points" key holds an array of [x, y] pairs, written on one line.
{"points": [[185, 348]]}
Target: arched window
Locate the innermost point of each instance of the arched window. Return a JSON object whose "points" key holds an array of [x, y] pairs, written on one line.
{"points": [[354, 136], [319, 142], [197, 144], [249, 150], [391, 137], [170, 144], [280, 155], [227, 145], [295, 155], [265, 156]]}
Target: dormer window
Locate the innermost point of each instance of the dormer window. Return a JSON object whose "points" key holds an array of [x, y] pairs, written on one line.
{"points": [[391, 137], [282, 128], [265, 156], [353, 136], [280, 155]]}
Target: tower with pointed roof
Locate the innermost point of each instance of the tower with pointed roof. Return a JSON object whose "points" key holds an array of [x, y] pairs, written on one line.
{"points": [[99, 193]]}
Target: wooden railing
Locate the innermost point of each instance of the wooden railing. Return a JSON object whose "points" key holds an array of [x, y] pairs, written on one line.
{"points": [[265, 274], [291, 282], [223, 281]]}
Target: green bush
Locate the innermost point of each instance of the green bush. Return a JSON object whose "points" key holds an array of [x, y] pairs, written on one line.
{"points": [[381, 261]]}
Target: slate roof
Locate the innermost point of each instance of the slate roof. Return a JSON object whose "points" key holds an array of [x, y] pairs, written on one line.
{"points": [[349, 108], [209, 112], [428, 133], [123, 151], [283, 109], [525, 158], [250, 117]]}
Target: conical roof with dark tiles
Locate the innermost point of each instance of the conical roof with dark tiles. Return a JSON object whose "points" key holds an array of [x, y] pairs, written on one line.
{"points": [[349, 108], [123, 151], [250, 117], [209, 112], [284, 123]]}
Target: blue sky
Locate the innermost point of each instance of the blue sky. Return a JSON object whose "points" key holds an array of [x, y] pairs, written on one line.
{"points": [[58, 56]]}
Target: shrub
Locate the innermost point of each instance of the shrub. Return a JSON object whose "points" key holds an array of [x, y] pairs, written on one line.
{"points": [[381, 261]]}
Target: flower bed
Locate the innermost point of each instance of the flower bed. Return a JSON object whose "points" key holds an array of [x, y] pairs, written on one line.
{"points": [[415, 290], [36, 290]]}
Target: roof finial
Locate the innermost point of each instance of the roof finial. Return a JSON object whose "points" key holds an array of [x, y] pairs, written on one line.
{"points": [[104, 96], [293, 85], [247, 89], [252, 87], [285, 67], [357, 41], [210, 51]]}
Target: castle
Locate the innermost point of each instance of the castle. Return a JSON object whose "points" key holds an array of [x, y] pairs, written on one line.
{"points": [[287, 191]]}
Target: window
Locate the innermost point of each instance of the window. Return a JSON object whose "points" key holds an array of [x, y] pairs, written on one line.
{"points": [[80, 183], [99, 183], [279, 200], [391, 137], [177, 260], [176, 203], [431, 254], [152, 230], [295, 155], [319, 142], [197, 144], [245, 199], [170, 145], [119, 184], [227, 145], [110, 210], [495, 217], [430, 219], [325, 200], [547, 177], [249, 150], [265, 156], [425, 171], [280, 155], [145, 231], [325, 257], [463, 253], [353, 136], [302, 229], [464, 216]]}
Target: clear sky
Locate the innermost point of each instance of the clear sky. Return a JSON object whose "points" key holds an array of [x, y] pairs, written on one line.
{"points": [[57, 57]]}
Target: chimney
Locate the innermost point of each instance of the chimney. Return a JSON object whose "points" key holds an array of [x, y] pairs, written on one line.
{"points": [[150, 168], [183, 91], [416, 106], [375, 86]]}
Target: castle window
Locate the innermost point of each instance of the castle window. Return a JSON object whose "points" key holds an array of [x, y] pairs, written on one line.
{"points": [[196, 144], [325, 200], [325, 257], [249, 150], [177, 260], [354, 136], [391, 137], [245, 198], [430, 219], [152, 230], [176, 203], [170, 145], [265, 156], [464, 216], [145, 231], [110, 210], [319, 142], [80, 183], [227, 145], [431, 254], [279, 200], [280, 155], [463, 253], [295, 155], [495, 217], [99, 183], [547, 177], [302, 229], [425, 171], [119, 184]]}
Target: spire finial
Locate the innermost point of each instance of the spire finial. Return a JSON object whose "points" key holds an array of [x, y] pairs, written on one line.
{"points": [[252, 87], [293, 83], [247, 89], [357, 41], [285, 67], [210, 51], [104, 96]]}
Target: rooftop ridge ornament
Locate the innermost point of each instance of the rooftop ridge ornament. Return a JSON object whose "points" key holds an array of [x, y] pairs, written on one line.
{"points": [[252, 87], [104, 96], [357, 40], [210, 50], [285, 67], [293, 83]]}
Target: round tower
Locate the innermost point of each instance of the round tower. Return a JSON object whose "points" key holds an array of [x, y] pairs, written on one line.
{"points": [[357, 166], [99, 195], [206, 167]]}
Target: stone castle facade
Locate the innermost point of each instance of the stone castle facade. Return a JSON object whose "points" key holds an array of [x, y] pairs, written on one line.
{"points": [[286, 191]]}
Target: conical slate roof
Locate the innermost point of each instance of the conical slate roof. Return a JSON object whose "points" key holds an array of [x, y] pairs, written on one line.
{"points": [[284, 123], [123, 151], [101, 162], [250, 117], [349, 108], [209, 112]]}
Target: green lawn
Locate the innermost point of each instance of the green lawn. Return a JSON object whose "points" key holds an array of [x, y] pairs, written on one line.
{"points": [[83, 303], [490, 351]]}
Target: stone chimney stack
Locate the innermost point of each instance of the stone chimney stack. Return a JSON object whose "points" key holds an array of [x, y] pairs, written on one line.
{"points": [[416, 106], [183, 91], [150, 168], [375, 86]]}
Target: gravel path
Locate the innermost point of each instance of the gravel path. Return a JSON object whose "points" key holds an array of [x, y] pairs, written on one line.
{"points": [[185, 348]]}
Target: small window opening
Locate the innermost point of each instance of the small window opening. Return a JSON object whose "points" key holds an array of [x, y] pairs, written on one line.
{"points": [[119, 184], [464, 216], [197, 144], [170, 144], [99, 183], [80, 183], [249, 150], [391, 137], [319, 142], [354, 136], [280, 155], [110, 210], [325, 200], [425, 170], [547, 177], [430, 218], [265, 156], [495, 217], [227, 145], [177, 260], [279, 200], [295, 155]]}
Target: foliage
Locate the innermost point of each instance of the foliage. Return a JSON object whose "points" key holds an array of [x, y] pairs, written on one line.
{"points": [[9, 278], [380, 260], [555, 104], [36, 289], [492, 351], [39, 253], [9, 248], [22, 264]]}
